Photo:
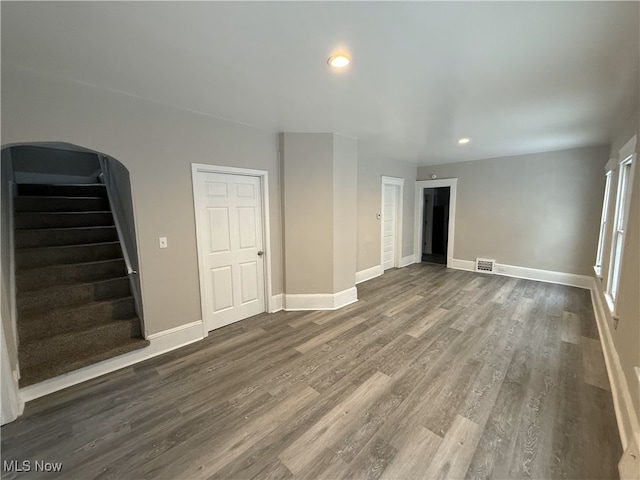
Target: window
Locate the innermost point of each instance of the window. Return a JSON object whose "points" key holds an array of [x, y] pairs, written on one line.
{"points": [[603, 224], [621, 215]]}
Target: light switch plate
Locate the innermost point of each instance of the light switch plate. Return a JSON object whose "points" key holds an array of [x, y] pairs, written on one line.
{"points": [[163, 242]]}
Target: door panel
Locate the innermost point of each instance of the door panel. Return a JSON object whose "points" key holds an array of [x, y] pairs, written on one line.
{"points": [[249, 282], [247, 223], [389, 226], [219, 230], [230, 223], [222, 286]]}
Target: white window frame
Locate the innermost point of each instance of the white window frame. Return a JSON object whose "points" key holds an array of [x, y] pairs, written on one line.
{"points": [[626, 170], [603, 224]]}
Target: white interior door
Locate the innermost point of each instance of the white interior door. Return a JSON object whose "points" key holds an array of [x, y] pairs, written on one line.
{"points": [[230, 236], [389, 227]]}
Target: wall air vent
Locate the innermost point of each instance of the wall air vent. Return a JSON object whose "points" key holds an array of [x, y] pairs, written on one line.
{"points": [[486, 265]]}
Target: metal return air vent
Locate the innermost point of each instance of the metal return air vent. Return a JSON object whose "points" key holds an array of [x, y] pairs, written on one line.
{"points": [[486, 265]]}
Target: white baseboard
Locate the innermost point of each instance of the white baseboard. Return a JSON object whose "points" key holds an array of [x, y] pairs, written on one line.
{"points": [[467, 265], [406, 261], [368, 274], [626, 417], [320, 301], [161, 342], [570, 279], [276, 303], [167, 340], [549, 276]]}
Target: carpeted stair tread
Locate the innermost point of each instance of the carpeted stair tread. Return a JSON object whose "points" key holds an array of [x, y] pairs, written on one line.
{"points": [[46, 299], [68, 344], [60, 204], [40, 220], [28, 279], [73, 297], [93, 326], [67, 254], [57, 237], [50, 267], [39, 373], [74, 318], [64, 190]]}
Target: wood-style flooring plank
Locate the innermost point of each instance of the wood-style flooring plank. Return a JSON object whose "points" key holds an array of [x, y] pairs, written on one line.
{"points": [[595, 370], [433, 373], [570, 328], [451, 459], [329, 334], [415, 456], [303, 451]]}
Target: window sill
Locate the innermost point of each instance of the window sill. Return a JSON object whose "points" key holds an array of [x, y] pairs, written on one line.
{"points": [[598, 271], [611, 305]]}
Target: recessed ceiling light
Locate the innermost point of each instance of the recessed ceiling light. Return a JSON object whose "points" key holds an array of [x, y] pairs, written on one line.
{"points": [[339, 61], [464, 141]]}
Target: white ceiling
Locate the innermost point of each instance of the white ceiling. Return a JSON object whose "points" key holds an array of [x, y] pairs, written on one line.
{"points": [[516, 77]]}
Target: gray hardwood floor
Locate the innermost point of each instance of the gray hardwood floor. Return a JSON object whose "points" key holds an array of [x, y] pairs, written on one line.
{"points": [[434, 373]]}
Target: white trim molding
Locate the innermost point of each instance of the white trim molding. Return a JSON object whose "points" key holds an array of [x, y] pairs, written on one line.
{"points": [[276, 303], [628, 424], [399, 184], [628, 149], [266, 228], [167, 340], [320, 301], [452, 183], [549, 276], [161, 342], [468, 265], [406, 261], [13, 192], [368, 274]]}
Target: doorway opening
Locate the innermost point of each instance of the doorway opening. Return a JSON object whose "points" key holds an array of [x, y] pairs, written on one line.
{"points": [[450, 218], [435, 230]]}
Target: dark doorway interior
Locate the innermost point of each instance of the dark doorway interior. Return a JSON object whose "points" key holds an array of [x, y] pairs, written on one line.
{"points": [[435, 229]]}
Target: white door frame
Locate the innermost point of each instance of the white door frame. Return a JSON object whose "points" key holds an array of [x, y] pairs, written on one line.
{"points": [[452, 183], [399, 183], [263, 175]]}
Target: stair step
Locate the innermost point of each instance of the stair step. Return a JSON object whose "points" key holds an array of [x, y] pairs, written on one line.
{"points": [[37, 278], [73, 318], [69, 344], [45, 256], [50, 237], [35, 301], [60, 365], [62, 190], [35, 220], [60, 204]]}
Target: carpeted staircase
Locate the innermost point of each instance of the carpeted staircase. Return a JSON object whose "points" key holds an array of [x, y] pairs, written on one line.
{"points": [[73, 295]]}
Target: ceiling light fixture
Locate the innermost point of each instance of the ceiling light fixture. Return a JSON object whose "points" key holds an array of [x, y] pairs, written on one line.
{"points": [[464, 141], [339, 61]]}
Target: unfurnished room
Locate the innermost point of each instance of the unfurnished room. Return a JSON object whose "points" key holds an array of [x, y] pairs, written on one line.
{"points": [[320, 240]]}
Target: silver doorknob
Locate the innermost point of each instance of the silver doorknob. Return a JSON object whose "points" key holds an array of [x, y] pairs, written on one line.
{"points": [[260, 253]]}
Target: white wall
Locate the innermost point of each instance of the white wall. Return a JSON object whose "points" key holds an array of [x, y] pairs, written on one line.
{"points": [[307, 168], [157, 144], [538, 211], [371, 169]]}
